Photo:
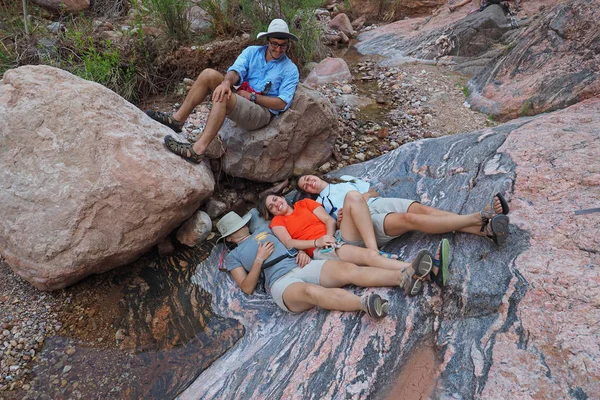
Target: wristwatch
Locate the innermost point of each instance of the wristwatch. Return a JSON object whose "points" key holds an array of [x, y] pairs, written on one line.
{"points": [[253, 97]]}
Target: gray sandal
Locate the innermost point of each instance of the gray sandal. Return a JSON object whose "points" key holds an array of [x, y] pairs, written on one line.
{"points": [[184, 150]]}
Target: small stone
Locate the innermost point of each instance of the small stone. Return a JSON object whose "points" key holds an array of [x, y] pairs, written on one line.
{"points": [[346, 89], [66, 369], [120, 335], [360, 156], [70, 351], [325, 167]]}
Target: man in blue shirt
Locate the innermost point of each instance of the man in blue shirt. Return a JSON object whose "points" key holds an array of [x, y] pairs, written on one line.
{"points": [[267, 81]]}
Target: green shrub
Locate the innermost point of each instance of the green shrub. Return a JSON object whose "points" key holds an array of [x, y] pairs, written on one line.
{"points": [[254, 16], [173, 15]]}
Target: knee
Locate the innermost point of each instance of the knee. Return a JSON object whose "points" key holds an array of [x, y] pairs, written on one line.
{"points": [[353, 197], [209, 75], [310, 293]]}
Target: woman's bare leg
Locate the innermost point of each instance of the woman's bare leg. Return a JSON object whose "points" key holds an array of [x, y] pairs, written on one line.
{"points": [[300, 297], [368, 257], [341, 273], [396, 224], [357, 224]]}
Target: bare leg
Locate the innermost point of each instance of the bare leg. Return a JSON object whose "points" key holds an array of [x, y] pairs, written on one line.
{"points": [[301, 296], [396, 224], [215, 121], [368, 257], [357, 224], [206, 82], [342, 273]]}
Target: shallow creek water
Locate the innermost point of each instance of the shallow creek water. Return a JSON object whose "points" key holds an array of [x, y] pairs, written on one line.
{"points": [[142, 331]]}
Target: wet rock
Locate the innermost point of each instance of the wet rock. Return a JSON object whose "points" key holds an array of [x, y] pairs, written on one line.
{"points": [[165, 247], [329, 70], [77, 182], [295, 142], [503, 313], [195, 230], [551, 66]]}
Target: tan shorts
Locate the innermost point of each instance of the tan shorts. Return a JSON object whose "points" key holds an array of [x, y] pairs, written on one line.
{"points": [[379, 208], [311, 273], [248, 115]]}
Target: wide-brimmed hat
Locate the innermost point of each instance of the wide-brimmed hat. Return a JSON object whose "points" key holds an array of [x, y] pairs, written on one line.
{"points": [[278, 29], [231, 223]]}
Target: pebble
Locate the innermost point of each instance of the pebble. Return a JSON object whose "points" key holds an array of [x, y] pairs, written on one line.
{"points": [[66, 369], [360, 156]]}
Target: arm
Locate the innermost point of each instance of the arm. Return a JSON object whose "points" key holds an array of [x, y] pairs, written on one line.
{"points": [[326, 219], [284, 236], [369, 194], [273, 103], [247, 280]]}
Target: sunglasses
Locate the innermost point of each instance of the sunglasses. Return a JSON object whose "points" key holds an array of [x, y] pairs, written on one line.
{"points": [[276, 45]]}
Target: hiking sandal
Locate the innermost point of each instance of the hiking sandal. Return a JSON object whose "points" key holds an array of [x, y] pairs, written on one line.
{"points": [[418, 272], [488, 211], [496, 229], [165, 119], [183, 149], [441, 263], [374, 305]]}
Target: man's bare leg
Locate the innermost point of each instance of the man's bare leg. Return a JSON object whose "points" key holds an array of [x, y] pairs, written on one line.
{"points": [[206, 82]]}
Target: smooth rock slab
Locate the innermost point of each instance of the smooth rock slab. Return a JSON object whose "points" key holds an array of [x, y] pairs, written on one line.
{"points": [[86, 182], [514, 322]]}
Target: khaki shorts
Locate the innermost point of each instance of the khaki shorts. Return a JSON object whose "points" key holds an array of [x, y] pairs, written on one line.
{"points": [[248, 115], [379, 209], [311, 273]]}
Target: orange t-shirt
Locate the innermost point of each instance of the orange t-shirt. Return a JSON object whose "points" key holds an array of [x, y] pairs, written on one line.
{"points": [[302, 223]]}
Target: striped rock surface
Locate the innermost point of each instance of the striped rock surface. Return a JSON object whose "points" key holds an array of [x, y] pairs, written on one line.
{"points": [[519, 321]]}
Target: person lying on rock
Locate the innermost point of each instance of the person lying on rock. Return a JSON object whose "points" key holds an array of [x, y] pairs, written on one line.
{"points": [[308, 227], [297, 283], [267, 81], [393, 217]]}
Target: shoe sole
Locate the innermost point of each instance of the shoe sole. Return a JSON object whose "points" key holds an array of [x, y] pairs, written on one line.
{"points": [[499, 226], [379, 306]]}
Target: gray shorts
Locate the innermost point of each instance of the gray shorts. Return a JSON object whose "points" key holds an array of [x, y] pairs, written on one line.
{"points": [[311, 273], [248, 115], [379, 208]]}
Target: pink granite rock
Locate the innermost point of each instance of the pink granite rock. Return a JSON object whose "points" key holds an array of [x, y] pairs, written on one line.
{"points": [[342, 23], [553, 64], [329, 70], [87, 184], [515, 322]]}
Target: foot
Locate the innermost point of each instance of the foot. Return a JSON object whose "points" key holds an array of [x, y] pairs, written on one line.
{"points": [[499, 205], [184, 150], [418, 272], [497, 229], [374, 305], [165, 119], [439, 272]]}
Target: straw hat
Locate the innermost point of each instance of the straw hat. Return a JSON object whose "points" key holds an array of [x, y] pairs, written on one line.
{"points": [[231, 223], [278, 29]]}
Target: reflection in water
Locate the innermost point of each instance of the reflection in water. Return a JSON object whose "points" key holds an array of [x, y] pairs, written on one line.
{"points": [[143, 331]]}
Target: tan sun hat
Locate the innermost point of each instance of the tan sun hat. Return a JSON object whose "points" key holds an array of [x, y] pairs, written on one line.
{"points": [[231, 223], [278, 28]]}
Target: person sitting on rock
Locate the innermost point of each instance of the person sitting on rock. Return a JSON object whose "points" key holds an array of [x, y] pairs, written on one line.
{"points": [[307, 226], [267, 79], [296, 282], [393, 217]]}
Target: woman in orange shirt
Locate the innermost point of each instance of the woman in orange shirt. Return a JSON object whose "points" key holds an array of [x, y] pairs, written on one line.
{"points": [[308, 227]]}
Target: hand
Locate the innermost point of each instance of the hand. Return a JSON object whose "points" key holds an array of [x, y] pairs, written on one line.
{"points": [[302, 259], [340, 216], [222, 92], [244, 94], [325, 241], [265, 249]]}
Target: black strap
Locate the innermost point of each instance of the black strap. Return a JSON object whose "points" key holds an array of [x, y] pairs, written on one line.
{"points": [[276, 260]]}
